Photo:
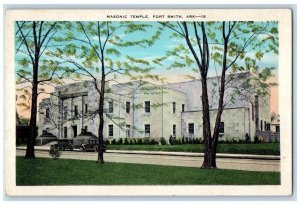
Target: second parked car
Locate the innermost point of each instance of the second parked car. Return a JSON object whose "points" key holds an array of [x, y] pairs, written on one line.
{"points": [[92, 145]]}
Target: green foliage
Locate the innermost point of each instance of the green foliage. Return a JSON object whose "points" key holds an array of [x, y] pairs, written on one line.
{"points": [[172, 140], [163, 141], [24, 121], [54, 152], [120, 141], [125, 141], [28, 44], [248, 42], [258, 139], [226, 146], [113, 141]]}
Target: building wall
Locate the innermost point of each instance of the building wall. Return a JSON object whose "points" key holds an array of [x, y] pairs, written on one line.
{"points": [[236, 123], [238, 120], [160, 118]]}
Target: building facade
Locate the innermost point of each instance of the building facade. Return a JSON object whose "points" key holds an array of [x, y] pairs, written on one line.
{"points": [[138, 109]]}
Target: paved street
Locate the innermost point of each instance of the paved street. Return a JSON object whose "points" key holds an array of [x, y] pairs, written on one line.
{"points": [[224, 161]]}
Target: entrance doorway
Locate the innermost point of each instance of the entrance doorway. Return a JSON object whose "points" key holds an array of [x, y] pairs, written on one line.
{"points": [[74, 128]]}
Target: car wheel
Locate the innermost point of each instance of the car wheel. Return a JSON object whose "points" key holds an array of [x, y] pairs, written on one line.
{"points": [[96, 148]]}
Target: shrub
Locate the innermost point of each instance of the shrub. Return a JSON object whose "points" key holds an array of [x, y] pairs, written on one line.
{"points": [[172, 140], [106, 141], [114, 141], [54, 152], [140, 141], [258, 139], [177, 140], [125, 141], [146, 141], [163, 141], [196, 141], [120, 141], [153, 142]]}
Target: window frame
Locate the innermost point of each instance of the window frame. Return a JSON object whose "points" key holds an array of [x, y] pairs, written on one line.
{"points": [[147, 131], [76, 113], [174, 107], [127, 107], [110, 106], [147, 107], [127, 131], [47, 113], [65, 132], [86, 108], [277, 128], [174, 130], [65, 113], [221, 128], [110, 130], [191, 128]]}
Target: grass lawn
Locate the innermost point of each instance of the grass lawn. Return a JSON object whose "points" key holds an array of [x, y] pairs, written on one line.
{"points": [[260, 149], [43, 171]]}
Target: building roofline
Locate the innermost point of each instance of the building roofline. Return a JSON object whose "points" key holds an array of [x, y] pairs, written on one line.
{"points": [[231, 108], [209, 78]]}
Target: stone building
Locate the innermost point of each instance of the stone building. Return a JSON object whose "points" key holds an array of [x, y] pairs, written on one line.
{"points": [[139, 109]]}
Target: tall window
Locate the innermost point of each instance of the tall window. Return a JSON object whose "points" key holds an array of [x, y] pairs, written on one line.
{"points": [[65, 112], [174, 107], [221, 128], [174, 130], [147, 129], [110, 107], [277, 128], [182, 107], [127, 131], [127, 107], [65, 132], [147, 106], [191, 128], [75, 111], [110, 130], [47, 113], [86, 108]]}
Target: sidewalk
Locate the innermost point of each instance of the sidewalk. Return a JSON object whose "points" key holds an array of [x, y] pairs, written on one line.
{"points": [[183, 154]]}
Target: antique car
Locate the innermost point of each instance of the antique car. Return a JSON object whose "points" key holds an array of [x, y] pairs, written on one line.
{"points": [[92, 145], [65, 144]]}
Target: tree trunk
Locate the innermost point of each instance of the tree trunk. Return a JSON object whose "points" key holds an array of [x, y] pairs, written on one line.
{"points": [[33, 129], [101, 118], [208, 162], [215, 137], [101, 126]]}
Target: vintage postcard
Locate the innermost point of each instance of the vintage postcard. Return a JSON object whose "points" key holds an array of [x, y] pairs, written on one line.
{"points": [[141, 102]]}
